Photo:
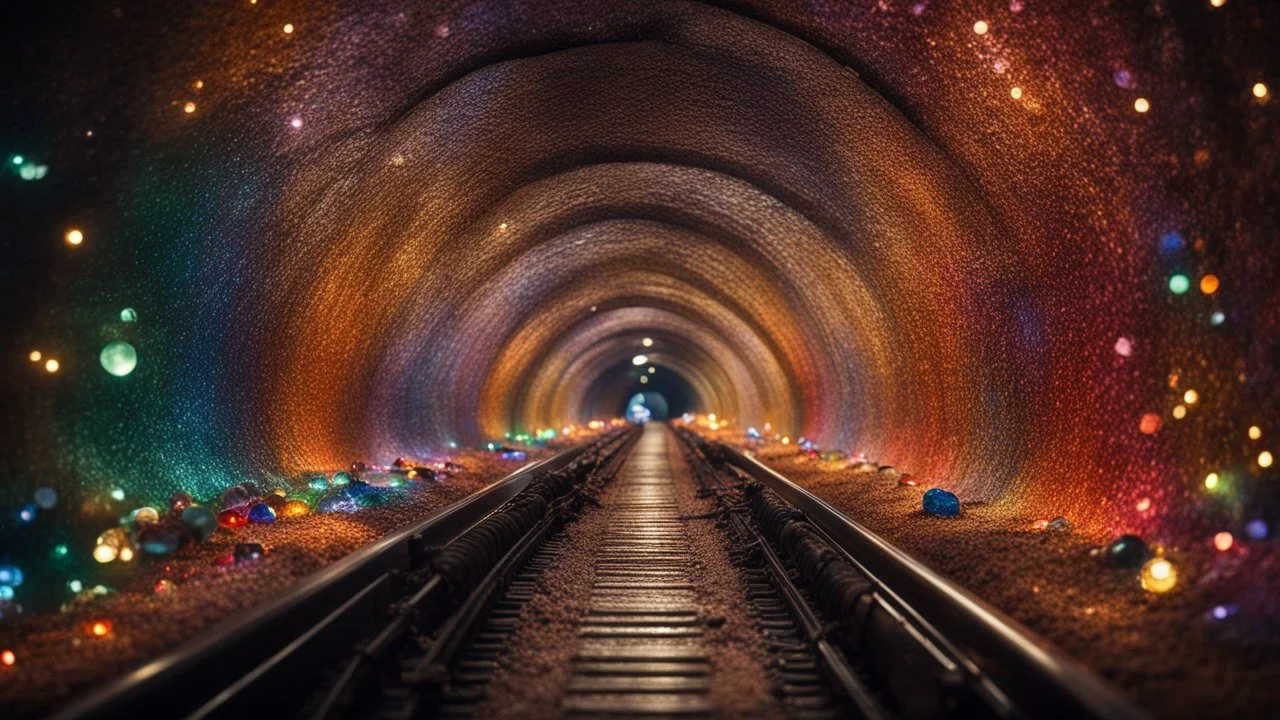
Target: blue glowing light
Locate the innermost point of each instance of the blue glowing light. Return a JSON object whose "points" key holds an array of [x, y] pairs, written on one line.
{"points": [[1256, 530]]}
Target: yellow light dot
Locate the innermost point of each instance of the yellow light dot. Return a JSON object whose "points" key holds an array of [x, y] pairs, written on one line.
{"points": [[1016, 93], [645, 379], [126, 554], [647, 342], [786, 440], [1179, 412], [1209, 284], [1159, 576], [35, 356], [1259, 90], [288, 28], [1144, 505], [104, 553], [189, 108], [7, 658], [1255, 432], [1190, 397], [1217, 3], [1141, 105], [981, 27], [502, 227], [1223, 541], [51, 365], [74, 237], [100, 628], [1265, 459], [1211, 480], [199, 84]]}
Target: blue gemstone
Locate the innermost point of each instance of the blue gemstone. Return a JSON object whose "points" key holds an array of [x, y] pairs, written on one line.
{"points": [[941, 503], [338, 502], [200, 522], [261, 513]]}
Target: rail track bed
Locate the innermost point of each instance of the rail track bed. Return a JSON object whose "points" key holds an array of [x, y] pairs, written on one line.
{"points": [[439, 621]]}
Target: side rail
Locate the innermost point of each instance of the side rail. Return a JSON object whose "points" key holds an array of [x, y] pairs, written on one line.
{"points": [[1015, 669], [335, 604]]}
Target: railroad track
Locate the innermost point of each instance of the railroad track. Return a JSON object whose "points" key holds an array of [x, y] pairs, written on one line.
{"points": [[419, 625]]}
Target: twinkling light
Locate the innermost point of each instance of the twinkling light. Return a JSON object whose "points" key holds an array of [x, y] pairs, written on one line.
{"points": [[1149, 424], [288, 28], [35, 355], [1217, 3], [51, 365], [105, 553], [295, 122], [74, 237], [128, 315], [1264, 459], [652, 370], [100, 628], [1223, 541], [981, 27], [1158, 575], [1216, 318], [1143, 505], [1211, 480], [644, 379], [1124, 347], [1179, 412], [118, 358], [189, 108], [1141, 105], [1190, 397], [647, 342], [1179, 284], [1015, 93], [1260, 90], [8, 658], [639, 359], [1255, 432]]}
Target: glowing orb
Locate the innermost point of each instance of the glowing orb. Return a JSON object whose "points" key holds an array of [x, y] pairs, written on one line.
{"points": [[1141, 105], [1223, 541], [119, 358], [1209, 284], [1260, 90], [647, 342], [1179, 284], [51, 365], [1265, 459], [128, 315], [1255, 432], [639, 359], [1150, 424], [74, 237], [1211, 480], [1159, 576], [981, 27]]}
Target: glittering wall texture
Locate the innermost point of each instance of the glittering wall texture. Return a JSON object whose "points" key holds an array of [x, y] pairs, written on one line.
{"points": [[1027, 250]]}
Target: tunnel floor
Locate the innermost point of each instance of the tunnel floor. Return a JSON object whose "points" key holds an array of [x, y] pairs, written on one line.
{"points": [[1169, 652]]}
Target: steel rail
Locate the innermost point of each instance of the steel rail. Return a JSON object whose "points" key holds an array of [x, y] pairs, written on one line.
{"points": [[1038, 679], [332, 605]]}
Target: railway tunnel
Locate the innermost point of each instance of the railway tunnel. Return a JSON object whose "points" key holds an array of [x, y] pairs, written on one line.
{"points": [[1020, 253]]}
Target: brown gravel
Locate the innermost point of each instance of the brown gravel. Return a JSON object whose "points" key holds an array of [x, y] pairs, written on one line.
{"points": [[58, 656], [1164, 651]]}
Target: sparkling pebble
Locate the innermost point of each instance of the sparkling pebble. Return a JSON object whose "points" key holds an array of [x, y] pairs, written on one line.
{"points": [[941, 503], [165, 587], [233, 517], [261, 512], [341, 479], [179, 501], [248, 552], [319, 484], [146, 516], [199, 521], [1059, 523], [160, 538], [236, 496], [1127, 551], [275, 502], [295, 508]]}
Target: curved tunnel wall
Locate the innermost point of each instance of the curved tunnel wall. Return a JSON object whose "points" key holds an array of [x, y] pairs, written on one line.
{"points": [[484, 209]]}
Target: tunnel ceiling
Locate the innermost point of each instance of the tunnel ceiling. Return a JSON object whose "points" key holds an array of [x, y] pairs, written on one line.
{"points": [[395, 227]]}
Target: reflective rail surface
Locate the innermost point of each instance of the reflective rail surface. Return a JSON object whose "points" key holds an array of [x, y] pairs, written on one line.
{"points": [[1037, 679], [327, 606]]}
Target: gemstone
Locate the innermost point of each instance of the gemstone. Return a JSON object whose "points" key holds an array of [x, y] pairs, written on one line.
{"points": [[1059, 523], [146, 516], [200, 522], [160, 538], [235, 517], [294, 508], [236, 496], [261, 513], [248, 552], [1127, 551], [425, 474], [275, 502], [941, 503], [179, 501]]}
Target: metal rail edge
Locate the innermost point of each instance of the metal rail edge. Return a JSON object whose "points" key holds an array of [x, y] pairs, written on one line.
{"points": [[1040, 680], [182, 680]]}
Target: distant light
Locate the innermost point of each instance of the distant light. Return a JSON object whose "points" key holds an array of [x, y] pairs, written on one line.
{"points": [[118, 358], [199, 84], [1216, 318], [61, 550], [1217, 3], [104, 553], [1255, 432], [644, 379], [128, 315], [189, 108], [981, 27], [1016, 93], [7, 658], [1211, 480], [1256, 529], [288, 28], [17, 160], [1259, 90], [74, 237], [647, 342], [75, 586], [652, 370], [1190, 397], [1223, 541], [1141, 105], [1144, 504], [1179, 284], [1209, 284], [1179, 412], [639, 359], [296, 123], [51, 365], [1265, 459], [35, 356], [1159, 576], [100, 628], [1149, 424], [117, 494], [1124, 347]]}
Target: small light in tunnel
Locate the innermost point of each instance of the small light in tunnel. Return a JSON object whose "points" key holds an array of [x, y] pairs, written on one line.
{"points": [[652, 369], [647, 342], [1179, 284], [1260, 90], [1179, 412], [644, 379], [1141, 105], [51, 365], [1223, 541], [1255, 432], [1190, 397], [1159, 576], [74, 237], [639, 360], [35, 356], [1265, 459], [295, 122], [981, 27], [1211, 480]]}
